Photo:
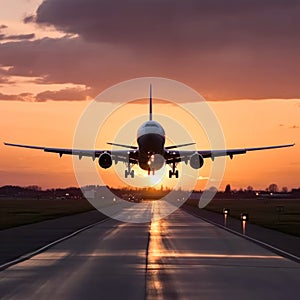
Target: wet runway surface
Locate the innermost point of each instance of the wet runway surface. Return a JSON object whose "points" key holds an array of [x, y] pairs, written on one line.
{"points": [[192, 259], [178, 257]]}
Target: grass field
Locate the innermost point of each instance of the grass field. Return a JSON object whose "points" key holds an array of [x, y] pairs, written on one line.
{"points": [[15, 212], [264, 212]]}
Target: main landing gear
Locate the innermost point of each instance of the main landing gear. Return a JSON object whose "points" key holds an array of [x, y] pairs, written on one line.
{"points": [[129, 172], [173, 172]]}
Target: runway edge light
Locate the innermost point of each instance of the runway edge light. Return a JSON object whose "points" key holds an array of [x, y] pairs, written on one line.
{"points": [[226, 211], [244, 216]]}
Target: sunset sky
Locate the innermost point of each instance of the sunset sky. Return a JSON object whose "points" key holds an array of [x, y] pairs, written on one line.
{"points": [[242, 56]]}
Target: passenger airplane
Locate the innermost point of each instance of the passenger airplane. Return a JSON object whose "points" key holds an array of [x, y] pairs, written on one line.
{"points": [[151, 153]]}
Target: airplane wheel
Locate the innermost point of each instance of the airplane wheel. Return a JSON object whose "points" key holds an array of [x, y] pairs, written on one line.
{"points": [[170, 174], [131, 173], [176, 173]]}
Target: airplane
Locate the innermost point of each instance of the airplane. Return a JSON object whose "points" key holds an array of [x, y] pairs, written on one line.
{"points": [[151, 153]]}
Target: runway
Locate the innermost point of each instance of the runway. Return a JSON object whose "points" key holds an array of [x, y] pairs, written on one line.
{"points": [[178, 257]]}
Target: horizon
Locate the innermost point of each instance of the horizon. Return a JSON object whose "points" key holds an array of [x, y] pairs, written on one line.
{"points": [[249, 188]]}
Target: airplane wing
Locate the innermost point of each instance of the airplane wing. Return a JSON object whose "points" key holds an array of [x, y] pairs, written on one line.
{"points": [[177, 156], [171, 156], [117, 155]]}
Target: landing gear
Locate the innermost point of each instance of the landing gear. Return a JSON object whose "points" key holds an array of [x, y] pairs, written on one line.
{"points": [[173, 172], [149, 172], [129, 172]]}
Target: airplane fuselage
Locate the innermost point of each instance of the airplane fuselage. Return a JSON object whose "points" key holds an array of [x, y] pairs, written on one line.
{"points": [[151, 142]]}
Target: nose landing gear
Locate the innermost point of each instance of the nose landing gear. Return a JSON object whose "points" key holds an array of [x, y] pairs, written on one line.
{"points": [[149, 172]]}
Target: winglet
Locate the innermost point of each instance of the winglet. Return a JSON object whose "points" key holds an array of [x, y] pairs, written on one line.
{"points": [[150, 103]]}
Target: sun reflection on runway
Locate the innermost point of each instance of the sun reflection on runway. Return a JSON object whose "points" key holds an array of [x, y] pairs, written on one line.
{"points": [[179, 254], [166, 257], [155, 250]]}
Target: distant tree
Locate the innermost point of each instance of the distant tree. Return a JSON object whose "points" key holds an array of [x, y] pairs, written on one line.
{"points": [[228, 189], [284, 189], [249, 188], [273, 188], [34, 188]]}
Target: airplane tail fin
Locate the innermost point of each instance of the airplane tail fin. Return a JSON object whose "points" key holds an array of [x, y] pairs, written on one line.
{"points": [[150, 103]]}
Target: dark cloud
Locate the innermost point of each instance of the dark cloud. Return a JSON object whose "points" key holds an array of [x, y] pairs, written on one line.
{"points": [[294, 127], [70, 60], [17, 37], [2, 26], [29, 19], [225, 49], [174, 22], [19, 97], [69, 94]]}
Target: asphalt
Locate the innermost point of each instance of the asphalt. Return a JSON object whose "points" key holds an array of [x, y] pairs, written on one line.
{"points": [[177, 257], [282, 241], [17, 241]]}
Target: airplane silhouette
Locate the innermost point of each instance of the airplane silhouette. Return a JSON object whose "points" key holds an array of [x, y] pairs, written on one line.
{"points": [[151, 153]]}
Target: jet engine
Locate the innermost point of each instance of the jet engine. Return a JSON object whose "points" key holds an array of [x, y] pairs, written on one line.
{"points": [[105, 160], [196, 161]]}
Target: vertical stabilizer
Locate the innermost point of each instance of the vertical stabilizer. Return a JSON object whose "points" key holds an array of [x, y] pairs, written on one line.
{"points": [[150, 103]]}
